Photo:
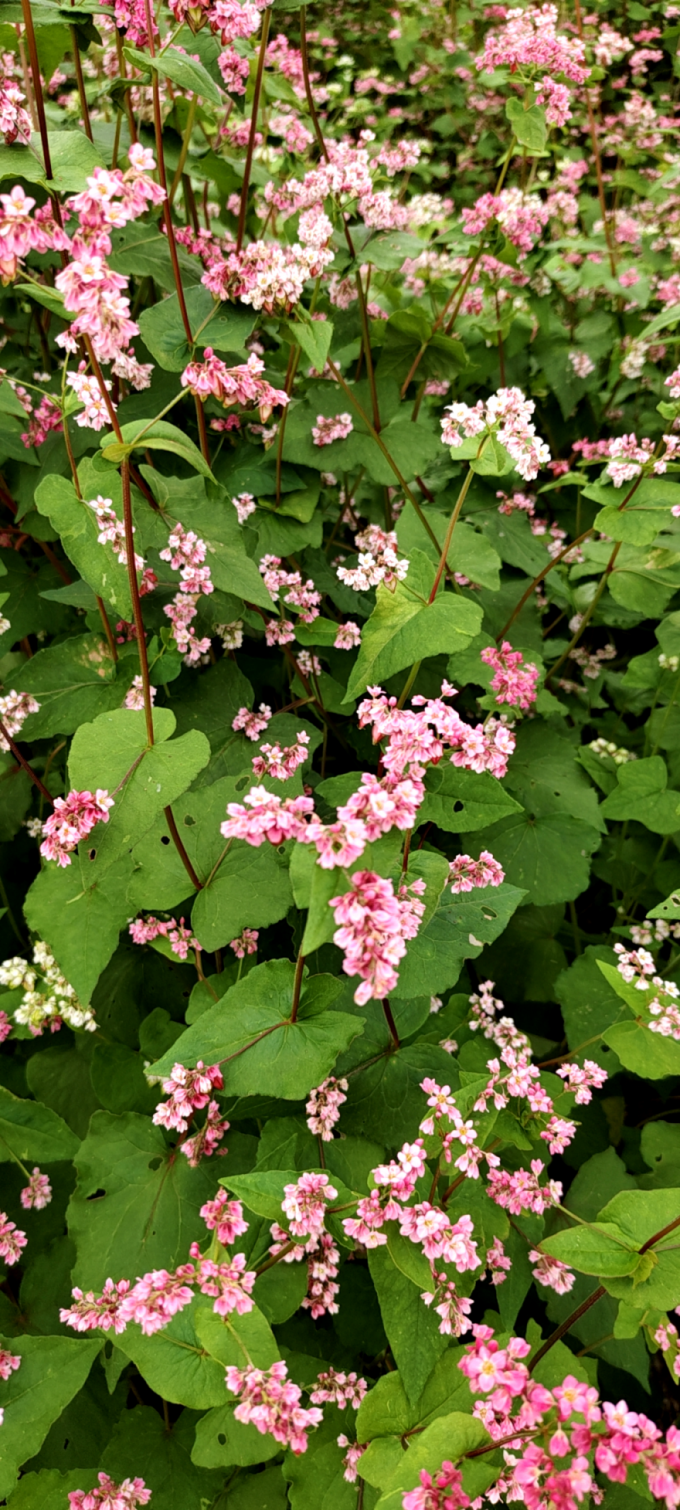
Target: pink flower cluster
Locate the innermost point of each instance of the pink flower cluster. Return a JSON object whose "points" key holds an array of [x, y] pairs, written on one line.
{"points": [[12, 1240], [190, 1091], [335, 427], [37, 1193], [112, 530], [180, 938], [73, 818], [338, 1389], [507, 415], [252, 724], [225, 1218], [375, 925], [270, 1401], [582, 1080], [513, 682], [439, 1491], [246, 943], [464, 872], [14, 710], [110, 1496], [233, 385], [298, 594], [378, 561], [186, 553], [418, 739], [348, 636], [265, 816], [323, 1107], [304, 1204], [523, 217], [663, 1006], [281, 762], [156, 1297]]}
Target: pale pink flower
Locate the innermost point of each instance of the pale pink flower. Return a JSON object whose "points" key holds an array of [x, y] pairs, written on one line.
{"points": [[73, 818], [38, 1193]]}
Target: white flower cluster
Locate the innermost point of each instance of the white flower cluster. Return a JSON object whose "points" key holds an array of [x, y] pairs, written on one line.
{"points": [[47, 994]]}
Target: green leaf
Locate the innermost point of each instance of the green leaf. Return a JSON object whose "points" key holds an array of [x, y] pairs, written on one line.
{"points": [[461, 801], [641, 1214], [601, 1249], [225, 328], [251, 1034], [80, 916], [390, 250], [459, 929], [313, 337], [77, 526], [529, 125], [140, 1436], [184, 71], [447, 1439], [159, 436], [670, 908], [52, 1371], [469, 552], [641, 1050], [223, 1442], [73, 681], [634, 526], [251, 890], [74, 158], [404, 628], [549, 856], [32, 1132], [411, 1326], [146, 1211], [641, 794]]}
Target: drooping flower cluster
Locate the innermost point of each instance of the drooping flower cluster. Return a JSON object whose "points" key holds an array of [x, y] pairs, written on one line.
{"points": [[49, 999], [270, 1401], [638, 967], [12, 1240], [375, 925], [233, 385], [281, 762], [464, 872], [323, 1107], [37, 1193], [513, 682], [186, 553], [246, 943], [507, 416]]}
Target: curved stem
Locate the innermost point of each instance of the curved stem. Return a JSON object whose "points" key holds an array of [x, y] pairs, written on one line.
{"points": [[179, 846], [389, 1019], [449, 534], [565, 1326], [588, 613]]}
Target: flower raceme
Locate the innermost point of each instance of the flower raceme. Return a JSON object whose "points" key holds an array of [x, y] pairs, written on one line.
{"points": [[507, 416], [233, 385], [73, 819]]}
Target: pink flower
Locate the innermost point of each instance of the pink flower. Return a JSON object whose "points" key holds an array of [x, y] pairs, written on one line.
{"points": [[354, 1450], [73, 818], [323, 1107], [338, 1388], [252, 724], [111, 1496], [464, 872], [265, 816], [38, 1192], [348, 636], [233, 385], [281, 763], [512, 683], [246, 943], [443, 1491], [304, 1204], [551, 1272], [229, 1283], [224, 1217], [157, 1297], [336, 427], [12, 1361], [271, 1402], [90, 1312], [582, 1081], [12, 1240], [374, 927], [14, 710], [189, 1091]]}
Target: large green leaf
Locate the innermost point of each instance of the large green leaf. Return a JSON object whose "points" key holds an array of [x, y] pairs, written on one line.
{"points": [[188, 1358], [32, 1132], [225, 328], [404, 628], [159, 436], [52, 1371], [80, 915], [73, 681], [250, 1033], [76, 523], [141, 1437], [641, 794], [601, 1249], [136, 1204], [459, 929], [461, 801], [412, 1327], [547, 855], [187, 73]]}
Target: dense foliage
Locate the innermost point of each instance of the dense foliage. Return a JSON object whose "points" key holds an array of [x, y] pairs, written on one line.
{"points": [[339, 741]]}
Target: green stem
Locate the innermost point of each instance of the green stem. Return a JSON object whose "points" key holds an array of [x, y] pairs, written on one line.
{"points": [[243, 207], [449, 534]]}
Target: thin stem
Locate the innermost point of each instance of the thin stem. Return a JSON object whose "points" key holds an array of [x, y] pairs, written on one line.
{"points": [[408, 683], [179, 846], [565, 1326], [389, 1019], [37, 87], [136, 600], [81, 84], [243, 207], [540, 578], [186, 138], [588, 613], [449, 534], [25, 765], [107, 629], [380, 442], [297, 986]]}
